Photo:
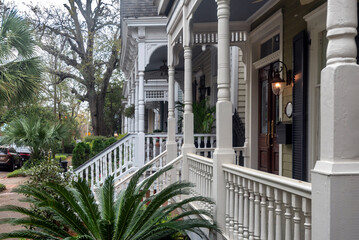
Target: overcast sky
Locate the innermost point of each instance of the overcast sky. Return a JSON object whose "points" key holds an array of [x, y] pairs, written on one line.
{"points": [[21, 4]]}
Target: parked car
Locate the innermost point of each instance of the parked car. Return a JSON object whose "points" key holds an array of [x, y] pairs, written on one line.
{"points": [[9, 158], [24, 152]]}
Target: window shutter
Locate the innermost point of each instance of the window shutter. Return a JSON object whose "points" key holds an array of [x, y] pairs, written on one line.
{"points": [[300, 67]]}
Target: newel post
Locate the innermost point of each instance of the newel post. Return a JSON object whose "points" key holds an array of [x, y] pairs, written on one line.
{"points": [[335, 178], [224, 152]]}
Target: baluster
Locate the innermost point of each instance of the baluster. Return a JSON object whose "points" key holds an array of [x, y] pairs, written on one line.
{"points": [[115, 165], [87, 174], [296, 203], [161, 139], [241, 207], [235, 220], [154, 153], [126, 156], [256, 211], [231, 205], [227, 202], [262, 190], [251, 210], [159, 179], [278, 214], [208, 187], [288, 215], [246, 210], [307, 207], [270, 195], [110, 160], [92, 175], [104, 159], [121, 158], [97, 171], [147, 149]]}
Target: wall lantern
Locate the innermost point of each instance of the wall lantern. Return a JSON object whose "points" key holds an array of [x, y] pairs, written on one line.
{"points": [[278, 83], [115, 134]]}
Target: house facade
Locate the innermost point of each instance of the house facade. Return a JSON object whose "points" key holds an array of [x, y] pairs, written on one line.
{"points": [[282, 160]]}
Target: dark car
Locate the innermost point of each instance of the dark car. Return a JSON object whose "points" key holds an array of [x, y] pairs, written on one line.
{"points": [[9, 158], [24, 152]]}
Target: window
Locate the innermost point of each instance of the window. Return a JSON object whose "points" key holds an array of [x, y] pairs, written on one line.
{"points": [[270, 46]]}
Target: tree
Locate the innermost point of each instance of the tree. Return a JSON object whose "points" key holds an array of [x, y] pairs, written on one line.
{"points": [[88, 37], [128, 216], [19, 70], [40, 135]]}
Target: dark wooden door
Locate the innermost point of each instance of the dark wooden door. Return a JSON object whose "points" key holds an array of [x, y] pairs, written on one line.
{"points": [[268, 147]]}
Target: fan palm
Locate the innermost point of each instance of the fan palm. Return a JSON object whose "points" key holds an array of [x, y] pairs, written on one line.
{"points": [[40, 135], [127, 216], [19, 69]]}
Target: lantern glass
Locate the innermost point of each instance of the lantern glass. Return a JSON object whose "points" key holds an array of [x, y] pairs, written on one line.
{"points": [[278, 87]]}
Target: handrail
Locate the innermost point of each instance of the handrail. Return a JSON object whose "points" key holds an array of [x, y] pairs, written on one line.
{"points": [[300, 188], [203, 160], [149, 163], [85, 164]]}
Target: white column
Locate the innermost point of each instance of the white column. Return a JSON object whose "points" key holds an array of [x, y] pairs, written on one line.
{"points": [[141, 103], [129, 119], [136, 106], [335, 178], [223, 152], [171, 128], [133, 104]]}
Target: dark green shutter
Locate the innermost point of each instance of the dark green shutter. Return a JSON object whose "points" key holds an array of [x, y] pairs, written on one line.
{"points": [[300, 106]]}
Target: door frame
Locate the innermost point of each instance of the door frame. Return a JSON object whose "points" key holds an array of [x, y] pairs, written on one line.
{"points": [[271, 27]]}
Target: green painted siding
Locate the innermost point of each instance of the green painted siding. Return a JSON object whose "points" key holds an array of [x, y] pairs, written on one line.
{"points": [[293, 23]]}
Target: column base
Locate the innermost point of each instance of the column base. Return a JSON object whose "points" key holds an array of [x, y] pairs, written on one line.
{"points": [[335, 202]]}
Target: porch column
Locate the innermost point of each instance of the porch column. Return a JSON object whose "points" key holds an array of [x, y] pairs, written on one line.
{"points": [[188, 128], [129, 104], [335, 178], [224, 152], [136, 106], [133, 104], [171, 126]]}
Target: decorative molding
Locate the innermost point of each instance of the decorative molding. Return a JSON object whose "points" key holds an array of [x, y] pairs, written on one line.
{"points": [[262, 10], [267, 60]]}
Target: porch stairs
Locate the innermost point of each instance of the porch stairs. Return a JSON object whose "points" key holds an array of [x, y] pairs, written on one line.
{"points": [[258, 205]]}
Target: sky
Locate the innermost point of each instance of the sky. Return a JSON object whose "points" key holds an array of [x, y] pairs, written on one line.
{"points": [[21, 4]]}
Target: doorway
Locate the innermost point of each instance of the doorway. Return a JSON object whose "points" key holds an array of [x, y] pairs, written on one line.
{"points": [[268, 156]]}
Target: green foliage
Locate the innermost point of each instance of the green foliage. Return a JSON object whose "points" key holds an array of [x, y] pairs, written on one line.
{"points": [[2, 187], [203, 117], [110, 141], [89, 139], [18, 173], [40, 135], [128, 215], [32, 162], [80, 154], [129, 111], [20, 71], [113, 106], [97, 146]]}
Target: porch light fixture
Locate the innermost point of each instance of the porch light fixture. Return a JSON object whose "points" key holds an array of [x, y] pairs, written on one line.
{"points": [[275, 79]]}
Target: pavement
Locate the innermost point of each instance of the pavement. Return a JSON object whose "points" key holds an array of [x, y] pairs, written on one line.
{"points": [[8, 197]]}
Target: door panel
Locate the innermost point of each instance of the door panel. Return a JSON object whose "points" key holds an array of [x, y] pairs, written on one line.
{"points": [[268, 114]]}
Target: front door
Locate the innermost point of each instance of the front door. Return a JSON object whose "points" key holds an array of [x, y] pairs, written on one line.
{"points": [[268, 118]]}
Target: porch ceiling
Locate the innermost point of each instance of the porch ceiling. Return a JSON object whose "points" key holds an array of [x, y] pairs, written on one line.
{"points": [[241, 10]]}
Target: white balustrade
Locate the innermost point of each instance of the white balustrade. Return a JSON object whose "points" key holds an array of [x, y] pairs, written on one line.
{"points": [[114, 160], [163, 181], [200, 38], [265, 206]]}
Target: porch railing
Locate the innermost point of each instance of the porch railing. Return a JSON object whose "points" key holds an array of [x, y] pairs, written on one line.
{"points": [[117, 160], [260, 205]]}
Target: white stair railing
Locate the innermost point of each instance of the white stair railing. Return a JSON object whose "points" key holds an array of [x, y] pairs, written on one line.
{"points": [[117, 159]]}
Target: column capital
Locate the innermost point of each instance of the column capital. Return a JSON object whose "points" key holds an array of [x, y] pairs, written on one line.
{"points": [[342, 29]]}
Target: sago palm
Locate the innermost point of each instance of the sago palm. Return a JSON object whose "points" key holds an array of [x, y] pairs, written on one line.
{"points": [[129, 215], [19, 69], [40, 135]]}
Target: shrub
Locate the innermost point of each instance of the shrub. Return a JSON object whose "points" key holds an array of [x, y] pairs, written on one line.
{"points": [[89, 139], [18, 173], [110, 141], [97, 146], [80, 154], [69, 147], [31, 163], [2, 187]]}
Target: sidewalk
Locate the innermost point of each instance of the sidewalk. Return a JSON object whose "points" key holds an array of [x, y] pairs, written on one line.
{"points": [[9, 198]]}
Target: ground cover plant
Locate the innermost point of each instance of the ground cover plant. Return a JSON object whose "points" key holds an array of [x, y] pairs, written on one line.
{"points": [[2, 187], [125, 216]]}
